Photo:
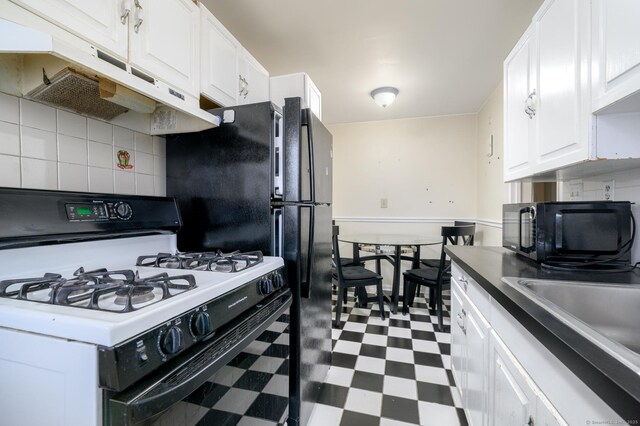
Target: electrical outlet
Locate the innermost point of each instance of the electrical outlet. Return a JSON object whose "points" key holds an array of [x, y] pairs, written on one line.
{"points": [[384, 203], [608, 189], [576, 189]]}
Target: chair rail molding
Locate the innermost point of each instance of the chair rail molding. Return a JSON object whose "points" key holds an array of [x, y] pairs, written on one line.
{"points": [[485, 222]]}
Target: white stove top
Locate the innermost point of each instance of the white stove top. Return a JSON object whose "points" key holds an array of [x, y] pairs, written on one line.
{"points": [[101, 327]]}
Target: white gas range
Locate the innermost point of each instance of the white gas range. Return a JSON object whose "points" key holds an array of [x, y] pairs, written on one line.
{"points": [[102, 329]]}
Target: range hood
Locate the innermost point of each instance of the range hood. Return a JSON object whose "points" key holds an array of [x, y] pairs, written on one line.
{"points": [[60, 69]]}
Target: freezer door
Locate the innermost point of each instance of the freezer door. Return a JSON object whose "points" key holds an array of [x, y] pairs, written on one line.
{"points": [[308, 156]]}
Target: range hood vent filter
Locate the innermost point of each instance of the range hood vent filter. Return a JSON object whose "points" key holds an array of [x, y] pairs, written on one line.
{"points": [[73, 91]]}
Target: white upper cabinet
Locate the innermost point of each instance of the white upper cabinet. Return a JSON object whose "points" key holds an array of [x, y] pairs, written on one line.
{"points": [[103, 22], [253, 80], [218, 61], [616, 55], [296, 85], [160, 38], [519, 101], [562, 83], [165, 41]]}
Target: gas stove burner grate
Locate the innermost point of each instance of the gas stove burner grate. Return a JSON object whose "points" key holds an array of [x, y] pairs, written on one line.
{"points": [[203, 261], [101, 289]]}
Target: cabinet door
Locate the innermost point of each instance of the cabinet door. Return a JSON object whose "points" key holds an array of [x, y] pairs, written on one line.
{"points": [[165, 41], [477, 347], [218, 61], [518, 125], [512, 401], [314, 98], [458, 341], [256, 80], [98, 21], [616, 50], [562, 89]]}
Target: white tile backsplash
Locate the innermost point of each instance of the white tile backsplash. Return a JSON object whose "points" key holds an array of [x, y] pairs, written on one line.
{"points": [[144, 143], [9, 138], [124, 182], [72, 124], [38, 116], [42, 147], [123, 137], [73, 177], [101, 155], [9, 171], [99, 131], [72, 150], [143, 163], [144, 184], [9, 109], [101, 180], [39, 174], [40, 144]]}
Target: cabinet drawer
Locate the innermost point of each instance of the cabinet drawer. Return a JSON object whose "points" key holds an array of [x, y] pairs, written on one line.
{"points": [[472, 290]]}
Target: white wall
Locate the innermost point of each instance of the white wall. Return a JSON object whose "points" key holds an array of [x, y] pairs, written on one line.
{"points": [[48, 148]]}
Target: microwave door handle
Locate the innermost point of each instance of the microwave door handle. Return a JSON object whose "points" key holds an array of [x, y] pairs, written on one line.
{"points": [[306, 122], [525, 210]]}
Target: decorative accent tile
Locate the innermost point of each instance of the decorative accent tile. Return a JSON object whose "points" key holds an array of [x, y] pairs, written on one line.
{"points": [[72, 150], [123, 158], [37, 116]]}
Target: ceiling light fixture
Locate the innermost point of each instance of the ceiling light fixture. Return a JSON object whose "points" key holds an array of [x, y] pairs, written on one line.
{"points": [[384, 96]]}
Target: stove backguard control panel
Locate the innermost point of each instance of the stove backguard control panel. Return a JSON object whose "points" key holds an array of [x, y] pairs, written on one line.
{"points": [[34, 217], [99, 211], [123, 365]]}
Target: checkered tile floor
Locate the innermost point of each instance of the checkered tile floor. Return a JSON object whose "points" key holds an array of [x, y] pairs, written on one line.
{"points": [[391, 372], [252, 389]]}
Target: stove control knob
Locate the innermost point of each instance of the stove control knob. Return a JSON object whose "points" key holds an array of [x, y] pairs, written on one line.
{"points": [[200, 324], [123, 210], [170, 341], [265, 286], [277, 280]]}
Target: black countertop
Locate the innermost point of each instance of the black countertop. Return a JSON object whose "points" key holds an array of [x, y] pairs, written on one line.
{"points": [[614, 382]]}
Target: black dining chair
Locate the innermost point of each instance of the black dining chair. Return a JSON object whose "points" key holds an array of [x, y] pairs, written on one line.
{"points": [[353, 276], [435, 277], [434, 263]]}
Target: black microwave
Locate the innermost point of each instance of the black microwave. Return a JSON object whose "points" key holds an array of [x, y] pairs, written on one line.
{"points": [[569, 232]]}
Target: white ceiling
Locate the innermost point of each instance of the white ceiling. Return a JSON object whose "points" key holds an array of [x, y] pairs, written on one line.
{"points": [[444, 56]]}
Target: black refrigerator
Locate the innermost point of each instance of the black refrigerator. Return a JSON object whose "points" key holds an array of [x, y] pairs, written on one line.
{"points": [[262, 181]]}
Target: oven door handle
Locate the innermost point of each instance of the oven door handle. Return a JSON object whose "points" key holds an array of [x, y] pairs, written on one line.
{"points": [[153, 396]]}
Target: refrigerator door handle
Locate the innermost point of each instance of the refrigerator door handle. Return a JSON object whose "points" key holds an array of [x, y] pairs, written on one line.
{"points": [[305, 288], [306, 122], [276, 243], [278, 154]]}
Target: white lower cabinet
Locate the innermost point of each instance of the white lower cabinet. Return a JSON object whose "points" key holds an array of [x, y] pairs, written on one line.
{"points": [[495, 389]]}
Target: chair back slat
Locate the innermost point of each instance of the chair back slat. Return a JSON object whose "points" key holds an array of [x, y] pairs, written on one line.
{"points": [[454, 235], [336, 251]]}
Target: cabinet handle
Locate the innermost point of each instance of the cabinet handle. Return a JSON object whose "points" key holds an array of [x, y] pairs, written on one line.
{"points": [[530, 422], [460, 320], [125, 6], [465, 282], [529, 103], [243, 86], [139, 17]]}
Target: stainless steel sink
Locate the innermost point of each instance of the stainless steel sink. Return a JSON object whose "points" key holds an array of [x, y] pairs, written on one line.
{"points": [[607, 314]]}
